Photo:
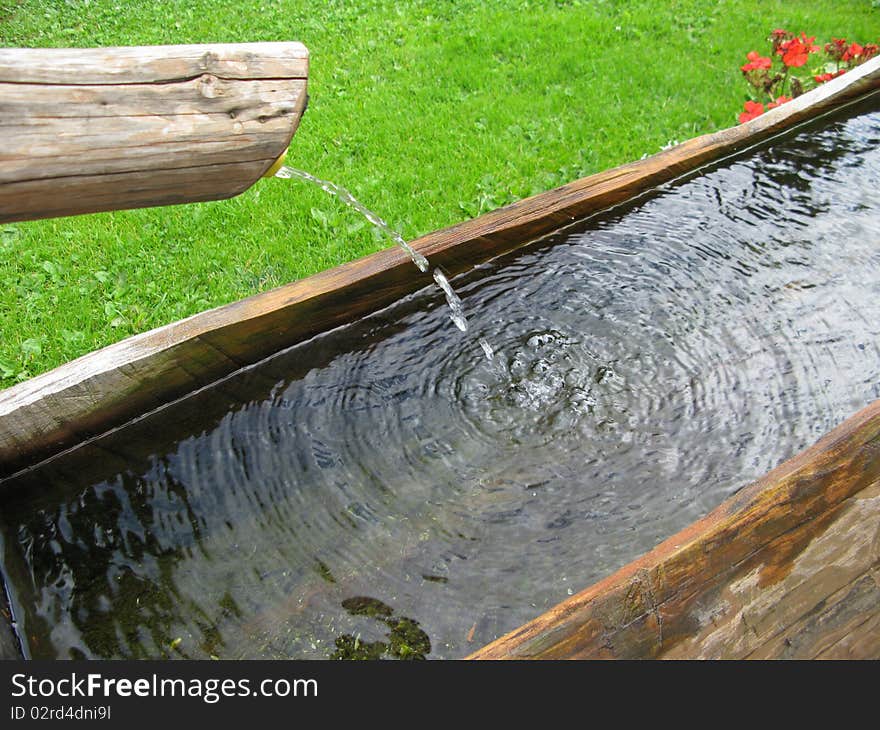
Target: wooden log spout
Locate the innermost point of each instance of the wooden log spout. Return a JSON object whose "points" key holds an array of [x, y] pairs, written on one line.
{"points": [[88, 130]]}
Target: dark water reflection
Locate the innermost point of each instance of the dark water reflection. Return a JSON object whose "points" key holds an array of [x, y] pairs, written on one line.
{"points": [[385, 491]]}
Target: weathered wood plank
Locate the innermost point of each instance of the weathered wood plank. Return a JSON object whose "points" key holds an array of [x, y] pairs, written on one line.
{"points": [[844, 626], [165, 131], [153, 64], [857, 641], [791, 599], [794, 551], [89, 395]]}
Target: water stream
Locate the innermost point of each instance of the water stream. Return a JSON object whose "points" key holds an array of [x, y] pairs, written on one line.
{"points": [[380, 491], [456, 309]]}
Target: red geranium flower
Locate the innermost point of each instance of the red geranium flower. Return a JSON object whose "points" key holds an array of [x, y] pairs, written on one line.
{"points": [[780, 100], [852, 52], [752, 109], [756, 62], [822, 78], [795, 55], [795, 51], [778, 36], [836, 48]]}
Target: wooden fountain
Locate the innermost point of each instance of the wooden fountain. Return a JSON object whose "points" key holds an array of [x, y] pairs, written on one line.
{"points": [[788, 567]]}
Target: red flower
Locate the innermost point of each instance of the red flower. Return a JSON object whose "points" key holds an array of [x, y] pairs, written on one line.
{"points": [[795, 51], [822, 78], [752, 109], [852, 52], [836, 48], [778, 36], [795, 55], [811, 41], [756, 62], [780, 100]]}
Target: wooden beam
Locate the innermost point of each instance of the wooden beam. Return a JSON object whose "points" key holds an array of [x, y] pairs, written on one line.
{"points": [[98, 129], [787, 568], [104, 389]]}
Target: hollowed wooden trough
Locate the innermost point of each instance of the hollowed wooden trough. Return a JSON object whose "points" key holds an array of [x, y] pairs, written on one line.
{"points": [[788, 567]]}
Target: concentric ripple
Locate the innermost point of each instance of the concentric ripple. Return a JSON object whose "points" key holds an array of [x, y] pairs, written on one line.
{"points": [[388, 490]]}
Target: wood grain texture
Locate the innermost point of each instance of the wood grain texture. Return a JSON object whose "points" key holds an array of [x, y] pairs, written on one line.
{"points": [[153, 64], [788, 567], [110, 128], [104, 389]]}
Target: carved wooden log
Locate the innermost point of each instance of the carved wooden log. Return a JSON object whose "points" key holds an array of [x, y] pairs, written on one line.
{"points": [[97, 129], [104, 389], [787, 568]]}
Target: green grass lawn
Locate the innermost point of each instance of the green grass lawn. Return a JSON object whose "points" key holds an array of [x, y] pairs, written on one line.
{"points": [[430, 111]]}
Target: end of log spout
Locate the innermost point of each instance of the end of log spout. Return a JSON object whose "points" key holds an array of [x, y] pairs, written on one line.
{"points": [[276, 166], [99, 129]]}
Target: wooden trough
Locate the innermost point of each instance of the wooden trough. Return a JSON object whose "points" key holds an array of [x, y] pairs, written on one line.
{"points": [[789, 566]]}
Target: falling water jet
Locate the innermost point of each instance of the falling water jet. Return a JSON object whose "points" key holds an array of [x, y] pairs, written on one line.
{"points": [[286, 172], [452, 299]]}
